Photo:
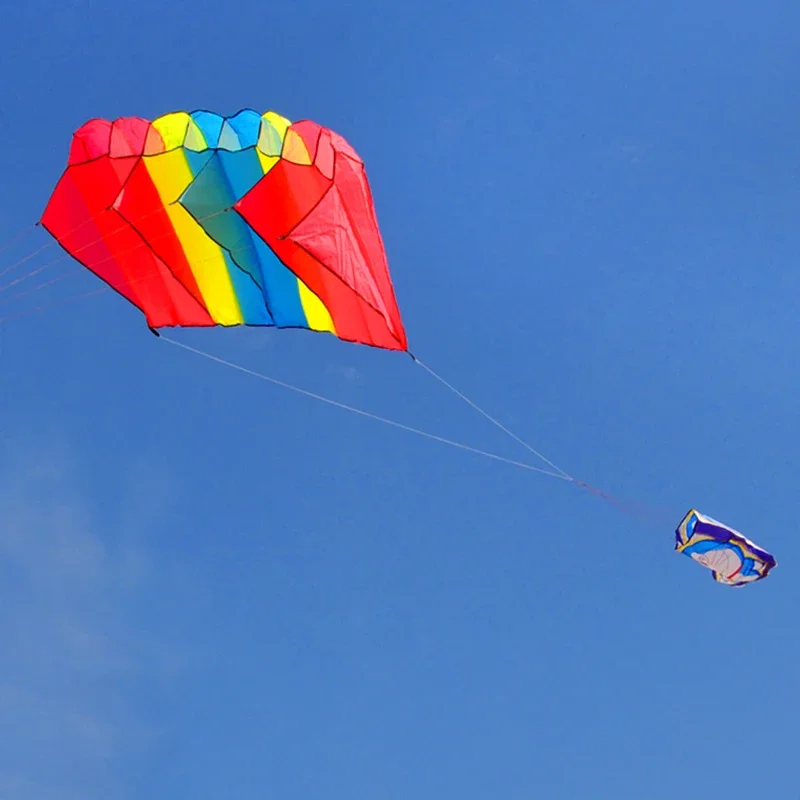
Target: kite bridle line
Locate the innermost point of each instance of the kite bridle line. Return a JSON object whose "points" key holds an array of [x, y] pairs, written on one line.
{"points": [[359, 411], [556, 471], [491, 419], [559, 472], [17, 237]]}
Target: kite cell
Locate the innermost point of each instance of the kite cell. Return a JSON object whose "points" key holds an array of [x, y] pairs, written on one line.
{"points": [[200, 220], [732, 558]]}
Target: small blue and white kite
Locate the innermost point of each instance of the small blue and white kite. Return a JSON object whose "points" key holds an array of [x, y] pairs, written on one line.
{"points": [[733, 559]]}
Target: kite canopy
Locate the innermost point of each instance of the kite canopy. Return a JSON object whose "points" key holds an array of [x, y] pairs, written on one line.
{"points": [[733, 559], [200, 220]]}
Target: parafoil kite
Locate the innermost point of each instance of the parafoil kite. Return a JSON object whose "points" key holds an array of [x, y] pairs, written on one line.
{"points": [[732, 558], [200, 220]]}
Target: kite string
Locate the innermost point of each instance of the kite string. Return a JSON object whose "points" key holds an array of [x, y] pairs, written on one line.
{"points": [[47, 246], [24, 260], [626, 508], [17, 237], [361, 412], [492, 419], [622, 505]]}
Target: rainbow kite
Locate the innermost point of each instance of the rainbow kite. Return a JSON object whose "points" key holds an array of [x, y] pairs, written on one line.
{"points": [[201, 220]]}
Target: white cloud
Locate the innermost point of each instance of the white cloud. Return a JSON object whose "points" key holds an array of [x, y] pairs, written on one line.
{"points": [[71, 651]]}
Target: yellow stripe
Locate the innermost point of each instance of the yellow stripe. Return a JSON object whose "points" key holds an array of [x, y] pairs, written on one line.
{"points": [[318, 317], [194, 138], [267, 162], [172, 128], [272, 133], [171, 175]]}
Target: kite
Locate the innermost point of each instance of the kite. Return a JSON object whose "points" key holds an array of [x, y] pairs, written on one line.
{"points": [[732, 558], [200, 220]]}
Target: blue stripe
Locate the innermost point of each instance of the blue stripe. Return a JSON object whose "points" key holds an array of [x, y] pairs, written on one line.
{"points": [[226, 178], [246, 124], [209, 194], [210, 125], [249, 295]]}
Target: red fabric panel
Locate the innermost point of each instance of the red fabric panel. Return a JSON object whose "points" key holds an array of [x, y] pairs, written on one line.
{"points": [[140, 205], [128, 136], [341, 145], [309, 132], [90, 141], [341, 232], [351, 181], [278, 202], [74, 223], [78, 216], [325, 155]]}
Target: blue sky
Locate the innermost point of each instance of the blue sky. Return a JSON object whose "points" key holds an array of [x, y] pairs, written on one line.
{"points": [[215, 588]]}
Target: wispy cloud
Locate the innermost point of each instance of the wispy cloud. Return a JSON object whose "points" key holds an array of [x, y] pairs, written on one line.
{"points": [[634, 154], [71, 651], [341, 371]]}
